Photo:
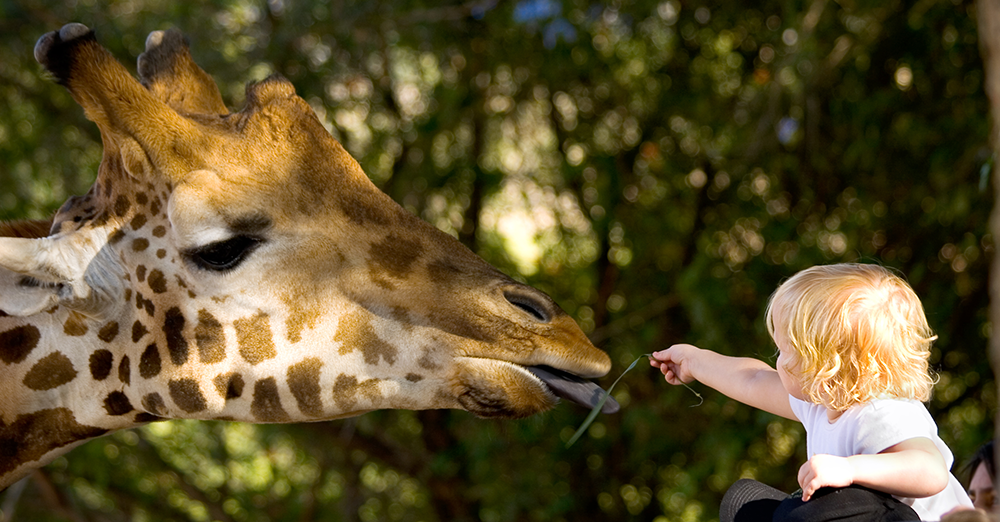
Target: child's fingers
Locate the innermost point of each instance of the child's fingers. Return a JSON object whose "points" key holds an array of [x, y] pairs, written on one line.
{"points": [[664, 368], [671, 376], [807, 489], [824, 471], [671, 363], [806, 476]]}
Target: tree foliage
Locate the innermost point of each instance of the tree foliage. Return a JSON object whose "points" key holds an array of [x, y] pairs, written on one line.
{"points": [[657, 166]]}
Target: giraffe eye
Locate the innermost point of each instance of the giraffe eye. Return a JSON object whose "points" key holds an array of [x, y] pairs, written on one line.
{"points": [[529, 304], [224, 255]]}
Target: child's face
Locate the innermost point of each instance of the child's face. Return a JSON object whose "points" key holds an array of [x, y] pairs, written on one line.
{"points": [[787, 358], [791, 384]]}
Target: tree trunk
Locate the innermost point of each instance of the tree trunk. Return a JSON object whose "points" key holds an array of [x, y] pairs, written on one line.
{"points": [[988, 12]]}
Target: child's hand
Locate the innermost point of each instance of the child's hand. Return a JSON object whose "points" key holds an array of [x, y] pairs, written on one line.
{"points": [[824, 471], [675, 363]]}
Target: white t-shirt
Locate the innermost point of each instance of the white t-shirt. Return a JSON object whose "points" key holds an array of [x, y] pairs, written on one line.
{"points": [[867, 429]]}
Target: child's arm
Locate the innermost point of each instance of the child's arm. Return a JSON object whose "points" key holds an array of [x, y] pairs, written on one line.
{"points": [[749, 381], [913, 468]]}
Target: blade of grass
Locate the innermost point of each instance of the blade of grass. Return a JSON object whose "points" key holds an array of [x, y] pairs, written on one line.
{"points": [[600, 404]]}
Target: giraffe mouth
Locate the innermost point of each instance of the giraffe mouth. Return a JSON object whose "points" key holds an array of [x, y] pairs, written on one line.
{"points": [[574, 389]]}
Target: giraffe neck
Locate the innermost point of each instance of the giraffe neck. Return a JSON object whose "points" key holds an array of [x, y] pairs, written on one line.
{"points": [[68, 377], [58, 390]]}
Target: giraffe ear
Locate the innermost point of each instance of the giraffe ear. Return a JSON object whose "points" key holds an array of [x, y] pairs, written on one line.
{"points": [[20, 295], [71, 270]]}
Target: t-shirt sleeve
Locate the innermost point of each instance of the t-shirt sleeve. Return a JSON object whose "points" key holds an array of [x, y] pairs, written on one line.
{"points": [[887, 423]]}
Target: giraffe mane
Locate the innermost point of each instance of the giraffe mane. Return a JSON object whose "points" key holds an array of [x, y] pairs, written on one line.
{"points": [[26, 228]]}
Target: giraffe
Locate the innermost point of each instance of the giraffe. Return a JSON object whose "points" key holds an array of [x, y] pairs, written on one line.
{"points": [[241, 266]]}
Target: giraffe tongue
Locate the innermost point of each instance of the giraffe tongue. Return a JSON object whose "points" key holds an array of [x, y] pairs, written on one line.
{"points": [[573, 388]]}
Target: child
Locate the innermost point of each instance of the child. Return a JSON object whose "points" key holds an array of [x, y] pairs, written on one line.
{"points": [[853, 345]]}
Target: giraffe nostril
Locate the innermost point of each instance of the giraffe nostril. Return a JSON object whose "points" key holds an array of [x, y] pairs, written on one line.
{"points": [[539, 309]]}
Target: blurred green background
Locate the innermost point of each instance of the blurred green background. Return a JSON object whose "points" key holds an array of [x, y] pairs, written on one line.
{"points": [[658, 167]]}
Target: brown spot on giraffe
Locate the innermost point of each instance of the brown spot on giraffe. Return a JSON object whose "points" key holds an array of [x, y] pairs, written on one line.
{"points": [[17, 343], [108, 332], [427, 362], [159, 231], [149, 362], [303, 380], [266, 405], [117, 403], [210, 338], [346, 389], [115, 237], [141, 303], [173, 328], [153, 403], [20, 443], [143, 417], [75, 325], [101, 362], [138, 221], [101, 219], [253, 334], [157, 282], [138, 330], [402, 315], [122, 204], [229, 385], [124, 371], [141, 198], [140, 244], [49, 372], [365, 214], [140, 271], [187, 395], [394, 256], [356, 333], [299, 318]]}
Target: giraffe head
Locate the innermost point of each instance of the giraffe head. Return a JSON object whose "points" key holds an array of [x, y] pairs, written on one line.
{"points": [[242, 266]]}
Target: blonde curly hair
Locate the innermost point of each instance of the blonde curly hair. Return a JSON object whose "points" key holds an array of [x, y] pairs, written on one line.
{"points": [[857, 331]]}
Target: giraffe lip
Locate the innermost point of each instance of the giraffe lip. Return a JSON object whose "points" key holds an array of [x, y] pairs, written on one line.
{"points": [[574, 389]]}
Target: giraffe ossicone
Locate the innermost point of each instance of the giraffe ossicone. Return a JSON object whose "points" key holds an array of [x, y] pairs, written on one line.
{"points": [[241, 266]]}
